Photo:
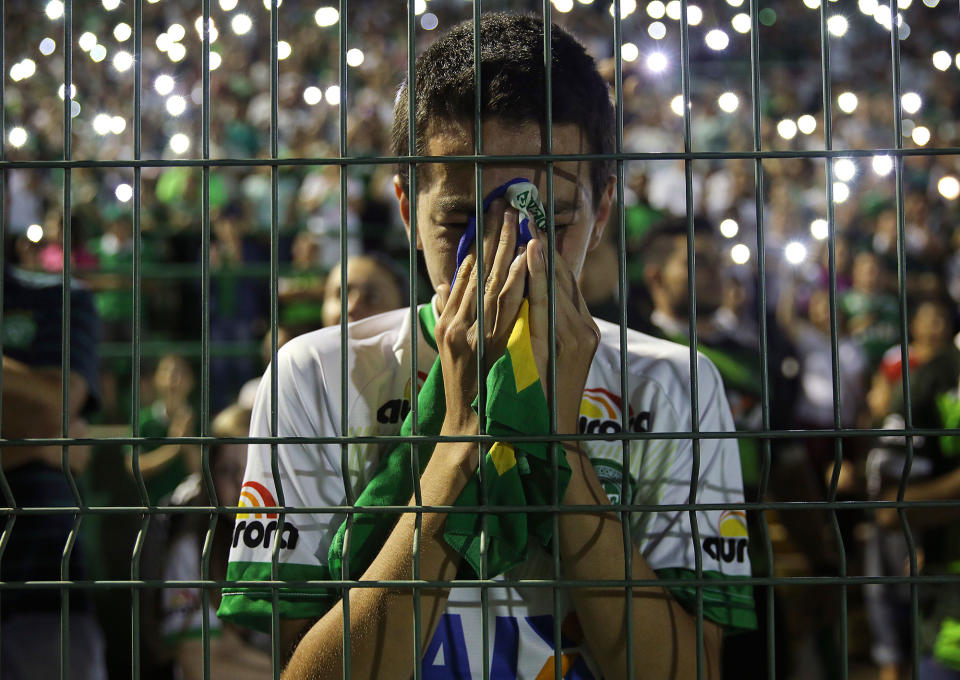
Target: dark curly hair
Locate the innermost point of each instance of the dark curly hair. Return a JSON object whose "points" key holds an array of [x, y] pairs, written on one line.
{"points": [[511, 71]]}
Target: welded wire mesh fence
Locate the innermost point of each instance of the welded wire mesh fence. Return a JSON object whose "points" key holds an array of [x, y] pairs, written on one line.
{"points": [[803, 130]]}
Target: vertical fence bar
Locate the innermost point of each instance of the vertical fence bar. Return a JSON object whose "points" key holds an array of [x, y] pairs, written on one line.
{"points": [[65, 340], [276, 652], [481, 349], [904, 337], [4, 484], [414, 336], [762, 316], [344, 373], [136, 558], [691, 284], [205, 406], [626, 465], [834, 340]]}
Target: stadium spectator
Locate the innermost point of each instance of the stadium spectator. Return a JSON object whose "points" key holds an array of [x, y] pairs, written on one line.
{"points": [[374, 286]]}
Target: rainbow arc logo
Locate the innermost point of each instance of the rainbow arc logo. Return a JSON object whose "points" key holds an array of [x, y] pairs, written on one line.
{"points": [[256, 495]]}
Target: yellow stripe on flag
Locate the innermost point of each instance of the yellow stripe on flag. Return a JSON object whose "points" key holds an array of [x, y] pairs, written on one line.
{"points": [[520, 348], [503, 457]]}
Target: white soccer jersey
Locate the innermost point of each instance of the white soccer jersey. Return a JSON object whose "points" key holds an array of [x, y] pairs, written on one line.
{"points": [[520, 620]]}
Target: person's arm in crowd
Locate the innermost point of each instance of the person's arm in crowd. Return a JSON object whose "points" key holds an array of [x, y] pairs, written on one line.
{"points": [[381, 635], [153, 461], [945, 487], [33, 407], [591, 543], [230, 657]]}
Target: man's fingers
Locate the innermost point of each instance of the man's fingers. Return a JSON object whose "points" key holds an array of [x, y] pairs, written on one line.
{"points": [[464, 274], [511, 296], [537, 266], [504, 254]]}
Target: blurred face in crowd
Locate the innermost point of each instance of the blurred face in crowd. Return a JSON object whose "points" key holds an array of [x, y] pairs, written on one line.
{"points": [[173, 378], [866, 273], [668, 281], [446, 198], [931, 325], [371, 289]]}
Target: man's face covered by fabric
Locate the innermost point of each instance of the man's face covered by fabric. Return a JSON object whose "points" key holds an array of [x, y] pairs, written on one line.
{"points": [[446, 196]]}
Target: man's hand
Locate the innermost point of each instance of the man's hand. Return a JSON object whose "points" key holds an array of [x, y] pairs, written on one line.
{"points": [[577, 334], [457, 330]]}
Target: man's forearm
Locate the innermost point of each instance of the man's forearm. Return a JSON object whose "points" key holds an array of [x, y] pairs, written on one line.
{"points": [[664, 634], [381, 619]]}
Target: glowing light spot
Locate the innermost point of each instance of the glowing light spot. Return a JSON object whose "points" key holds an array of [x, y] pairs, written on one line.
{"points": [[657, 30], [728, 102], [326, 16], [102, 123], [812, 4], [911, 102], [313, 95], [806, 124], [61, 91], [904, 4], [841, 192], [920, 135], [419, 7], [332, 95], [735, 3], [16, 72], [741, 23], [868, 7], [110, 5], [74, 108], [717, 40], [241, 24], [122, 61], [563, 6], [198, 26], [673, 10], [34, 233], [656, 62], [656, 9], [176, 105], [949, 187], [740, 254], [163, 42], [176, 32], [215, 61], [694, 15], [47, 46], [629, 52], [123, 192], [283, 49], [54, 10], [627, 7], [266, 4], [18, 137], [847, 101], [179, 143], [844, 169], [228, 5], [98, 53], [176, 52], [820, 229], [795, 253], [729, 228], [87, 41], [163, 84], [787, 128], [429, 21], [941, 60], [882, 165], [118, 124], [676, 105], [837, 25], [355, 57], [931, 3]]}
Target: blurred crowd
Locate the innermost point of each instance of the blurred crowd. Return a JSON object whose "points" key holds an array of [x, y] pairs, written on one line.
{"points": [[844, 263]]}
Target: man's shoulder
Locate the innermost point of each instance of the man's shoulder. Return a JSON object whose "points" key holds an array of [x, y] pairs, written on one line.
{"points": [[653, 358], [380, 331]]}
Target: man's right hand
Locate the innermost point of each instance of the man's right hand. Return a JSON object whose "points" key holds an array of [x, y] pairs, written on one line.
{"points": [[457, 330]]}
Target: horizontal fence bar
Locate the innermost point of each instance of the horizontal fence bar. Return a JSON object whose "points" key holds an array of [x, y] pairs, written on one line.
{"points": [[483, 160], [424, 439]]}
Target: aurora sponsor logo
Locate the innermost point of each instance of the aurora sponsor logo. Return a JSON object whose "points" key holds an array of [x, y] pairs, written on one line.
{"points": [[396, 410], [600, 412], [730, 545], [254, 532], [610, 475]]}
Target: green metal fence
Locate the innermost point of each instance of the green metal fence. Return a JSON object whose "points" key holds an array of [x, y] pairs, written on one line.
{"points": [[146, 511]]}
